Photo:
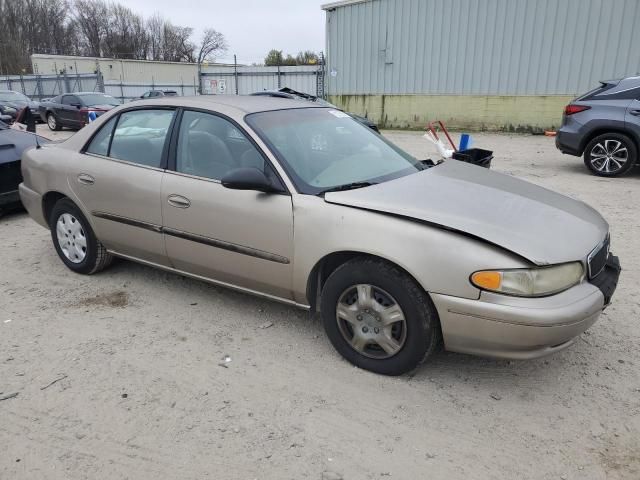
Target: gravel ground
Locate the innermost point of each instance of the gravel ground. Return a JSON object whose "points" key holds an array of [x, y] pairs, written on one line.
{"points": [[118, 375]]}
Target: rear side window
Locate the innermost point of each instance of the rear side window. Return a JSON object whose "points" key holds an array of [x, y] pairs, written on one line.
{"points": [[140, 136], [100, 143]]}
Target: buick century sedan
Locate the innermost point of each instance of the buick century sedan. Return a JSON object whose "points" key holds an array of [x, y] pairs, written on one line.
{"points": [[302, 204]]}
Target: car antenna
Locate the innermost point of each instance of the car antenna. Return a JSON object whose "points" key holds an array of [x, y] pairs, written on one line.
{"points": [[37, 142]]}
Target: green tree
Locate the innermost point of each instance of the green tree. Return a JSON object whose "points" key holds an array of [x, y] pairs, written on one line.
{"points": [[307, 58], [273, 58]]}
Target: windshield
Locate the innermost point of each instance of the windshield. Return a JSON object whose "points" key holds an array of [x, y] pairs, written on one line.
{"points": [[13, 97], [98, 99], [323, 148]]}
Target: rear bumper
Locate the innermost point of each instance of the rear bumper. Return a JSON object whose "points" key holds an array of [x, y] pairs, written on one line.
{"points": [[32, 201], [570, 136], [518, 328], [569, 142]]}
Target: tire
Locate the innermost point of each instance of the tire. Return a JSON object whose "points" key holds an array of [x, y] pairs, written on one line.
{"points": [[610, 155], [414, 338], [52, 122], [73, 237]]}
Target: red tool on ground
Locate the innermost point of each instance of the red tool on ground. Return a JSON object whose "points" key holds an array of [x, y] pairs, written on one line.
{"points": [[433, 128]]}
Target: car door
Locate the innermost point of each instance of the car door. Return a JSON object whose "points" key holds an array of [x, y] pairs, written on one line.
{"points": [[67, 112], [118, 180], [238, 237]]}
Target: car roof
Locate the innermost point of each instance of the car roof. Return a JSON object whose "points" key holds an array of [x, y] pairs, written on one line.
{"points": [[86, 93], [242, 103]]}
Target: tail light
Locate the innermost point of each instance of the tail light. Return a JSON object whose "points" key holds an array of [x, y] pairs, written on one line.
{"points": [[571, 109]]}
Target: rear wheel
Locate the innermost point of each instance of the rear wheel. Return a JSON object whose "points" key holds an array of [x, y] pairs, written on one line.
{"points": [[610, 155], [378, 318], [52, 122], [74, 240]]}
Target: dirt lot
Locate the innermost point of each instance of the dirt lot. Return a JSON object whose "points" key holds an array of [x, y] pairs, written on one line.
{"points": [[141, 395]]}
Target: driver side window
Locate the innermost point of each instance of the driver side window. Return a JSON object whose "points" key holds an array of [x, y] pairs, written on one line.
{"points": [[69, 99], [210, 146]]}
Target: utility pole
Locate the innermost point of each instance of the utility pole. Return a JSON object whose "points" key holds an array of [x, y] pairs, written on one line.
{"points": [[235, 71]]}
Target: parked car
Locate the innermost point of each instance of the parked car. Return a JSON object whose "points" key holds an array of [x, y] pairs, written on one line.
{"points": [[12, 102], [12, 144], [73, 110], [301, 203], [159, 93], [604, 126], [286, 92]]}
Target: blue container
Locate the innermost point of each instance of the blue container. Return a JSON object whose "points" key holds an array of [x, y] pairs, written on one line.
{"points": [[465, 140]]}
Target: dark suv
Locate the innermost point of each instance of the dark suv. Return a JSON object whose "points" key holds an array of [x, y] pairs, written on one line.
{"points": [[604, 126]]}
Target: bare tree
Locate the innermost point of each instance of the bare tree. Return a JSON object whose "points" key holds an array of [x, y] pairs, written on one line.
{"points": [[90, 16], [213, 44], [94, 28], [126, 36]]}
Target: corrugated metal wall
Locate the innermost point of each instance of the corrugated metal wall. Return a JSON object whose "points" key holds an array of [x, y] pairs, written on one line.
{"points": [[480, 47], [252, 79]]}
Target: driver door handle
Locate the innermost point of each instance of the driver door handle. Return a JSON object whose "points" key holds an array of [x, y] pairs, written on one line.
{"points": [[86, 179], [178, 201], [635, 113]]}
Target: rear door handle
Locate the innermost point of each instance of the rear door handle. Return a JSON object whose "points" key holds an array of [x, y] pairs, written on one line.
{"points": [[86, 179], [178, 201], [635, 113]]}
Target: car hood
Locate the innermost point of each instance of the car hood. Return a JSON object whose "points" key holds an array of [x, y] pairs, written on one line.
{"points": [[540, 225], [17, 104], [14, 142]]}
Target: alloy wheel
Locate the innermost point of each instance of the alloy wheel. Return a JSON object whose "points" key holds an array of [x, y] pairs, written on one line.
{"points": [[609, 156], [71, 238], [371, 321], [51, 121]]}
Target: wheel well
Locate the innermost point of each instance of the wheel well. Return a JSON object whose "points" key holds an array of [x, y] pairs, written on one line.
{"points": [[602, 131], [48, 201], [327, 265]]}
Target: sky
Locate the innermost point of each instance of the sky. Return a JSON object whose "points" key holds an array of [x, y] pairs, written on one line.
{"points": [[251, 27]]}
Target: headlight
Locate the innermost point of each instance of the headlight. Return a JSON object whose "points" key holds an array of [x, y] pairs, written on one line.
{"points": [[530, 282], [9, 110]]}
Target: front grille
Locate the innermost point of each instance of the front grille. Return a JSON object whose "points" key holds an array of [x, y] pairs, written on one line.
{"points": [[598, 258], [607, 280]]}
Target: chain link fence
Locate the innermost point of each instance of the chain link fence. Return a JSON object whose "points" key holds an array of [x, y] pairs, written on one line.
{"points": [[218, 80], [39, 87]]}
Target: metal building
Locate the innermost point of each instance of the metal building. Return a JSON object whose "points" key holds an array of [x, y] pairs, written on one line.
{"points": [[498, 64]]}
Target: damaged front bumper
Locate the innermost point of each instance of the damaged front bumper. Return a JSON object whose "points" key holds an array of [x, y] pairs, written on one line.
{"points": [[523, 328]]}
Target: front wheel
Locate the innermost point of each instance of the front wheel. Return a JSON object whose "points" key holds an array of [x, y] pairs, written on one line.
{"points": [[74, 240], [610, 155], [52, 122], [378, 317]]}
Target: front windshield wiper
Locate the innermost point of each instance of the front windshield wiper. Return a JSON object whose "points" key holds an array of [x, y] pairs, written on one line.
{"points": [[348, 186]]}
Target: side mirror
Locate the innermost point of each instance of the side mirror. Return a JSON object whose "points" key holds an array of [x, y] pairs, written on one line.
{"points": [[249, 179]]}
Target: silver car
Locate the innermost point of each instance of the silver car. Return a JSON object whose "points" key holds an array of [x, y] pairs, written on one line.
{"points": [[304, 205]]}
